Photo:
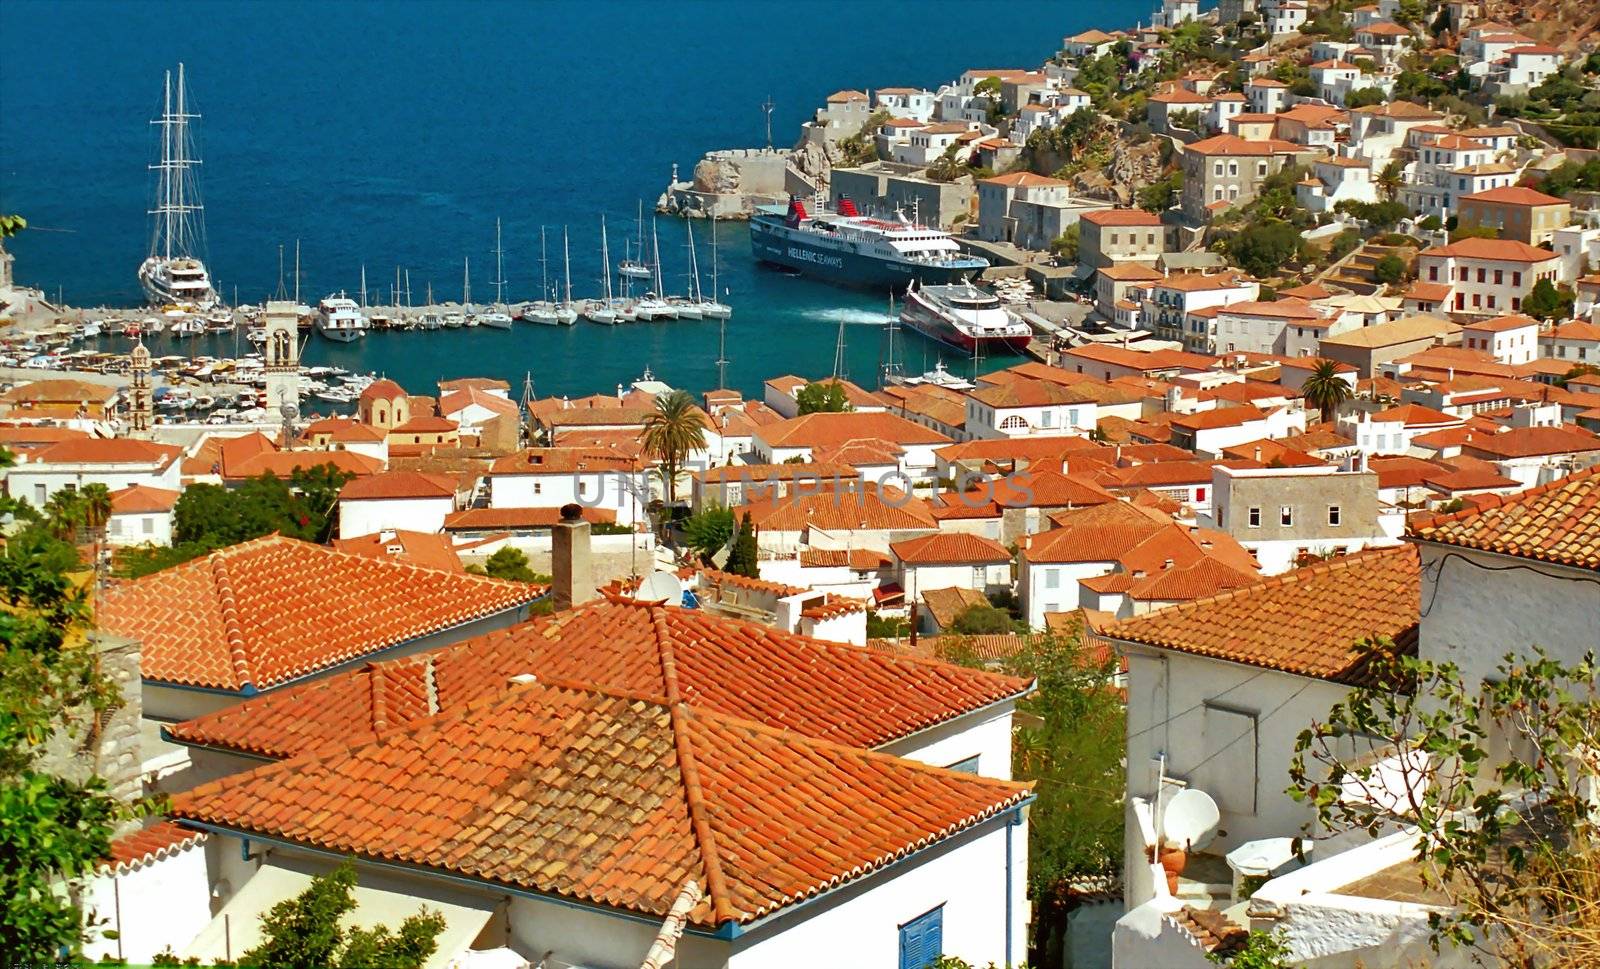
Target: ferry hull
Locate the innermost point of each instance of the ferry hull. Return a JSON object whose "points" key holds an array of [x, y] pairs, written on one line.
{"points": [[952, 337], [340, 336], [777, 245]]}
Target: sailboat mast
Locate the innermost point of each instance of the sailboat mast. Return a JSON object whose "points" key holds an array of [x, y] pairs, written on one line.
{"points": [[722, 353], [655, 257], [164, 183], [694, 265], [499, 266], [466, 281], [180, 162], [297, 272], [566, 261], [408, 289], [544, 267], [363, 286], [605, 261], [715, 296]]}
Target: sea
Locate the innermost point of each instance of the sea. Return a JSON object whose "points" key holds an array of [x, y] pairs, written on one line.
{"points": [[393, 133]]}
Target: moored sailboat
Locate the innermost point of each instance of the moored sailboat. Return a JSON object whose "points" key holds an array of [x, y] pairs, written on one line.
{"points": [[173, 272]]}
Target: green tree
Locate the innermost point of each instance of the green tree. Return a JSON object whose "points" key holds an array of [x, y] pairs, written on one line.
{"points": [[10, 225], [1161, 194], [305, 931], [676, 429], [1071, 742], [1260, 951], [745, 558], [1547, 302], [1264, 249], [52, 830], [1493, 775], [1065, 246], [709, 530], [823, 396], [1389, 269], [1325, 388], [211, 516], [511, 563], [981, 619], [988, 87], [1365, 97], [1391, 179]]}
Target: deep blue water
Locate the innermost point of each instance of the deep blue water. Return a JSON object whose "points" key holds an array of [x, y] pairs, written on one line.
{"points": [[394, 133]]}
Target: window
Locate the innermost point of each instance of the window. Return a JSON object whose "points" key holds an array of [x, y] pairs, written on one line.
{"points": [[1463, 274], [1217, 169], [1333, 514], [1046, 418], [39, 495], [1480, 275], [1261, 169], [1498, 273], [968, 766], [1516, 277], [1433, 273], [1200, 493], [1052, 578], [1233, 168], [1255, 517], [538, 487], [922, 940], [149, 524], [1286, 515]]}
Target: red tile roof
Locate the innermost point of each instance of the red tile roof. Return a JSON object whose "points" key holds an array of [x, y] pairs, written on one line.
{"points": [[825, 690], [1502, 250], [273, 610], [859, 559], [860, 506], [426, 549], [610, 798], [1306, 621], [950, 548], [151, 843], [1527, 442], [106, 450], [824, 429], [284, 464], [1514, 195], [398, 484], [516, 519], [946, 605], [1122, 217], [1558, 522], [143, 499]]}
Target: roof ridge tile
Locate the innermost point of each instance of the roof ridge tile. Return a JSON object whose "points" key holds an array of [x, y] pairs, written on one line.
{"points": [[722, 905], [228, 609]]}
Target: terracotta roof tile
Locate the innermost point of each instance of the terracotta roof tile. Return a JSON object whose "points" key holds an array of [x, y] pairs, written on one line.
{"points": [[820, 689], [610, 798], [269, 611], [106, 450], [944, 605], [426, 549], [1558, 522], [516, 519], [151, 843], [859, 559], [950, 548], [824, 429], [143, 499], [398, 484], [860, 506], [1306, 621]]}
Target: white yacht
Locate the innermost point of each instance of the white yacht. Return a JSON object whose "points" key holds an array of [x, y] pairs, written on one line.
{"points": [[340, 320]]}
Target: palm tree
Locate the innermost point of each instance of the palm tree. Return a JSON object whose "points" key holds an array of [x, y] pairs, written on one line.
{"points": [[1325, 389], [96, 503], [64, 514], [677, 428], [1391, 179]]}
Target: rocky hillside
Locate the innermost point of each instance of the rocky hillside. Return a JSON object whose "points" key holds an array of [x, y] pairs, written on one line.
{"points": [[1572, 25]]}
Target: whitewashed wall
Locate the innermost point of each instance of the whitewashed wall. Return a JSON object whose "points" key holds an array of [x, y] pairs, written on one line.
{"points": [[359, 517], [984, 733], [165, 901]]}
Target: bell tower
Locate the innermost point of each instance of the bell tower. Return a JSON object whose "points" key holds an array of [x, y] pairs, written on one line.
{"points": [[140, 404], [282, 356]]}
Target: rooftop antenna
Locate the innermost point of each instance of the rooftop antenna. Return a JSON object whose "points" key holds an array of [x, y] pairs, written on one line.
{"points": [[767, 106], [282, 293]]}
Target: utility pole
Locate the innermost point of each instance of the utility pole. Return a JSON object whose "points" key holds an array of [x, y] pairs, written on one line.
{"points": [[767, 106], [722, 354]]}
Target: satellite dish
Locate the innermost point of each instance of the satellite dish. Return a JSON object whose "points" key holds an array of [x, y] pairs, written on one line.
{"points": [[1190, 821], [660, 587]]}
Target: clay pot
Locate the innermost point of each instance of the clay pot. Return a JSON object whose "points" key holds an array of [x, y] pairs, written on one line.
{"points": [[1172, 860]]}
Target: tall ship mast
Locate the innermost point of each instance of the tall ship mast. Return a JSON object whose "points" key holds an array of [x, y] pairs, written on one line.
{"points": [[173, 273]]}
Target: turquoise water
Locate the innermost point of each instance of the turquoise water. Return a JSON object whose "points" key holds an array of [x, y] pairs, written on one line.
{"points": [[393, 134]]}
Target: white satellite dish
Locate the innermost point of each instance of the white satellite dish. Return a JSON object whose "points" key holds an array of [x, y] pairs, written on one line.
{"points": [[660, 587], [1190, 820]]}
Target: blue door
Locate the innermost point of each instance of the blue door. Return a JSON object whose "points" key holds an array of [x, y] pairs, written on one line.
{"points": [[922, 940]]}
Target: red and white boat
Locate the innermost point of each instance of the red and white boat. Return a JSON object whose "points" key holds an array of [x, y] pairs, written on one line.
{"points": [[964, 317]]}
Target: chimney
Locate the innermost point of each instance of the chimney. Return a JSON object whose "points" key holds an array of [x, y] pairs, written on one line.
{"points": [[1258, 455], [1166, 564], [574, 575]]}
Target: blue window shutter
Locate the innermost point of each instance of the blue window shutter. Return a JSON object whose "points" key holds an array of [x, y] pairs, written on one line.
{"points": [[922, 940]]}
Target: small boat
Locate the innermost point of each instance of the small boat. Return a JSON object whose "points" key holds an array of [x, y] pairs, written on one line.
{"points": [[541, 311], [637, 268], [152, 325], [597, 311], [336, 395], [257, 335], [684, 308], [454, 321], [497, 320], [431, 321], [188, 326], [627, 311], [219, 321], [652, 308], [92, 329]]}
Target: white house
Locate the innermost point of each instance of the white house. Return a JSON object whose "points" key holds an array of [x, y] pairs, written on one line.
{"points": [[801, 437], [406, 501], [1268, 327], [552, 477], [1333, 180], [1392, 430], [1209, 432], [947, 560], [1528, 65], [1219, 689], [906, 102], [1283, 16], [1487, 277], [1511, 340], [117, 463], [1267, 95], [141, 515], [1029, 408], [926, 144]]}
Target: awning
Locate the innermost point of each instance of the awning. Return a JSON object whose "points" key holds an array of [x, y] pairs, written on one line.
{"points": [[237, 927]]}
